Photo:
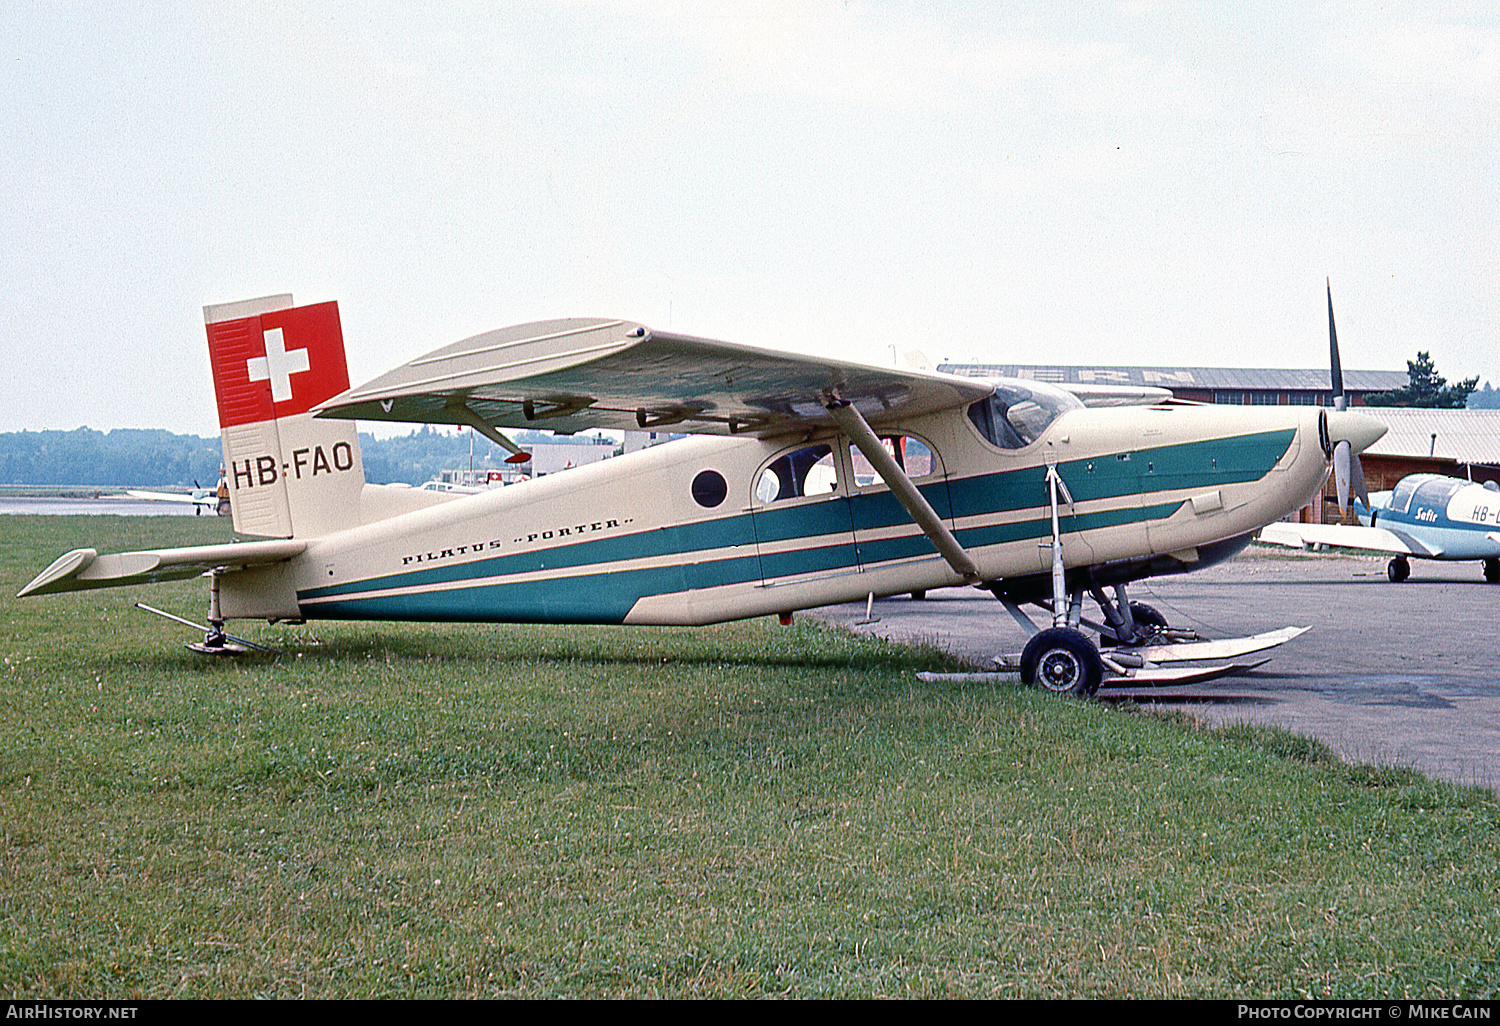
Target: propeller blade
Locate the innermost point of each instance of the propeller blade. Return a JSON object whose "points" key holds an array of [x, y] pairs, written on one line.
{"points": [[1343, 456], [1358, 473], [1336, 370]]}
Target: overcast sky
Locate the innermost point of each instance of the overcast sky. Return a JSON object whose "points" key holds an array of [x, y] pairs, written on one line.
{"points": [[1101, 183]]}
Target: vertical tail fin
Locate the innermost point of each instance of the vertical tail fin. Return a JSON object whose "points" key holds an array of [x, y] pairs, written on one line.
{"points": [[289, 475]]}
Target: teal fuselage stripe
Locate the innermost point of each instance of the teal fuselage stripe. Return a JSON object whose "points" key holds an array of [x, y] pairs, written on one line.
{"points": [[602, 598], [607, 596]]}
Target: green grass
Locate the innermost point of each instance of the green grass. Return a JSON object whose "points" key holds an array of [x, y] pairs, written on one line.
{"points": [[407, 810]]}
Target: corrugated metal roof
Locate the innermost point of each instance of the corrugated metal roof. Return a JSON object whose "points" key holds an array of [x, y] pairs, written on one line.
{"points": [[1225, 378], [1467, 436]]}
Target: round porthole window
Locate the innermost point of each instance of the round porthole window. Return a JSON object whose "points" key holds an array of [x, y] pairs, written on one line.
{"points": [[709, 488]]}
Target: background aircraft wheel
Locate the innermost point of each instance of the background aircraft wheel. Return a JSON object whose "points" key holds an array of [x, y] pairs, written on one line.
{"points": [[1063, 661], [1398, 569], [1148, 624], [1492, 570]]}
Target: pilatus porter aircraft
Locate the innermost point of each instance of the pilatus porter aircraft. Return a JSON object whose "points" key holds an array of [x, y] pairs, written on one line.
{"points": [[810, 482]]}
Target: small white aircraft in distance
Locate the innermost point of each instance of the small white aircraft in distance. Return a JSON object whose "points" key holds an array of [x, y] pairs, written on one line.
{"points": [[1426, 516], [1014, 486], [204, 500]]}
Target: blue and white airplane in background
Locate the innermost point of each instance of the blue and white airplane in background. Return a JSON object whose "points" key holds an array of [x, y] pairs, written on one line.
{"points": [[1426, 516]]}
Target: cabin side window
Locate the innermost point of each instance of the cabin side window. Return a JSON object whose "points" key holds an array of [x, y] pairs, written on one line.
{"points": [[1014, 416], [911, 454], [807, 471], [1437, 494]]}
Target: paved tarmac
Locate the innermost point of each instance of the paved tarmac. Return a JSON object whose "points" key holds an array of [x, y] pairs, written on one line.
{"points": [[1393, 674]]}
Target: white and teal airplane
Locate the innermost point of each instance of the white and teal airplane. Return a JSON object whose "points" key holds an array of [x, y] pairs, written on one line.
{"points": [[814, 482]]}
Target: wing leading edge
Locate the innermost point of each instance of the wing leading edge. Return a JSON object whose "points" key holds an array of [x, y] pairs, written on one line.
{"points": [[585, 374]]}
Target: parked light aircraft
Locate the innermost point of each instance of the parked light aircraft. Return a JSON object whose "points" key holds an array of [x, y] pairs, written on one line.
{"points": [[203, 499], [1014, 486], [1426, 516]]}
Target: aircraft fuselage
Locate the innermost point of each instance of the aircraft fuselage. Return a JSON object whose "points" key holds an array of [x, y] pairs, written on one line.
{"points": [[710, 529], [1456, 518]]}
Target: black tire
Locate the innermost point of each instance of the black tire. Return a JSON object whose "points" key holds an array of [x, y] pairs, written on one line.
{"points": [[1398, 569], [1063, 661], [919, 594], [1492, 570], [1148, 623]]}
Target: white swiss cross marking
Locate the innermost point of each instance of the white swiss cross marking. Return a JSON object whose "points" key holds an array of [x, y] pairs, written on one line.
{"points": [[278, 365]]}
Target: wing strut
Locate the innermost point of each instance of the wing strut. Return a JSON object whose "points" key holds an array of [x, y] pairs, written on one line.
{"points": [[463, 411], [853, 424]]}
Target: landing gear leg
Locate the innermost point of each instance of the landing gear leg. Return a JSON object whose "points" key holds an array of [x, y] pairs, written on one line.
{"points": [[1061, 658], [1126, 622], [215, 640]]}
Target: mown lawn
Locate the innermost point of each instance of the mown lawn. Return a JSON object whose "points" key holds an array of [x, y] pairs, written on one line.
{"points": [[409, 810]]}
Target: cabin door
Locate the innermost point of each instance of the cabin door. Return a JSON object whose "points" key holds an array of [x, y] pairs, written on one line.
{"points": [[803, 526], [884, 531]]}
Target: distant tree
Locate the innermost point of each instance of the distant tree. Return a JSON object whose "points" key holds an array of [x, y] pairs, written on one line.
{"points": [[1425, 388], [1486, 398]]}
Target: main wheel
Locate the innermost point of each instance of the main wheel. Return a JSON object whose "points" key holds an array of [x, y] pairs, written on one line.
{"points": [[1148, 623], [1492, 570], [1062, 661], [1398, 569]]}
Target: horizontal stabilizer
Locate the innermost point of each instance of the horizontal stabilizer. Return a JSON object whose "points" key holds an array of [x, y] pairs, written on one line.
{"points": [[1150, 676], [83, 569], [1159, 676]]}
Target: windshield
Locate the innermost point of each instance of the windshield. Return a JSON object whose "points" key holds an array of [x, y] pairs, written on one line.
{"points": [[1015, 415]]}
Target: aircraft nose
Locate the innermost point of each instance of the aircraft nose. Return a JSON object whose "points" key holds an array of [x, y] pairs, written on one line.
{"points": [[1358, 430]]}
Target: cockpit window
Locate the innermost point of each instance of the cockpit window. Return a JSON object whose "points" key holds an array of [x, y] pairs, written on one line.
{"points": [[1401, 497], [1016, 415]]}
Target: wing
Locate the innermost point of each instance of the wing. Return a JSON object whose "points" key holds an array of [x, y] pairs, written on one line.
{"points": [[136, 493], [1371, 539], [1117, 395], [578, 375], [83, 569]]}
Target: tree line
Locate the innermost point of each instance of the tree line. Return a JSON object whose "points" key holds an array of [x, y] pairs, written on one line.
{"points": [[154, 458]]}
